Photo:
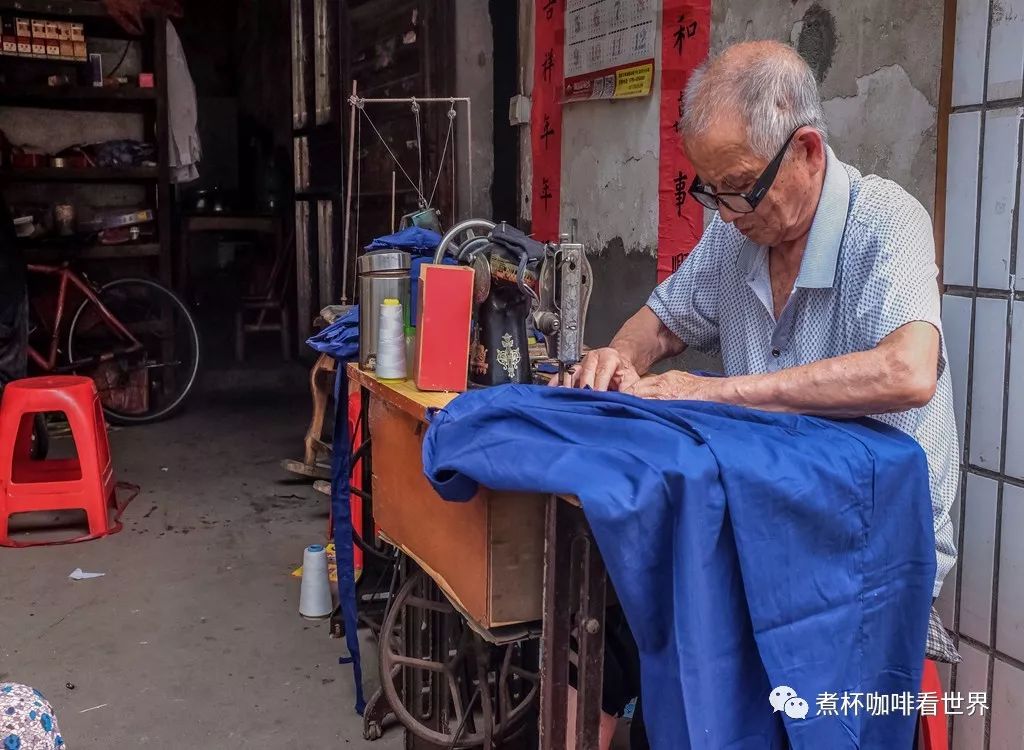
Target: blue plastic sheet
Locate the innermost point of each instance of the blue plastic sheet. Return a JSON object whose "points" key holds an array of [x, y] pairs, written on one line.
{"points": [[749, 550]]}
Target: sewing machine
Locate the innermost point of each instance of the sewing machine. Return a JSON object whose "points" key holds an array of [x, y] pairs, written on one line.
{"points": [[517, 281]]}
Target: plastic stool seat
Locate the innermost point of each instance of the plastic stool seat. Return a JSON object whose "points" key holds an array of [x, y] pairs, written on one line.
{"points": [[83, 483], [934, 734]]}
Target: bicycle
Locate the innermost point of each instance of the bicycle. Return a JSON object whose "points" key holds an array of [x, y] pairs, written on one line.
{"points": [[134, 337]]}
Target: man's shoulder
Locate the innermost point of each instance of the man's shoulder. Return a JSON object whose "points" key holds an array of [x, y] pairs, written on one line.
{"points": [[880, 205]]}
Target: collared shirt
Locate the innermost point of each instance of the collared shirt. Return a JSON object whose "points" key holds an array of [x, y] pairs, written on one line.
{"points": [[868, 269]]}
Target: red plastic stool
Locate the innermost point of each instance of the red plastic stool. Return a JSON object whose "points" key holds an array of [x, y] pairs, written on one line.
{"points": [[934, 733], [86, 483]]}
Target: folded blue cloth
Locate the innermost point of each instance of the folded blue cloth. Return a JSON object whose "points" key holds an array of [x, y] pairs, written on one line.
{"points": [[340, 339], [413, 239], [750, 551]]}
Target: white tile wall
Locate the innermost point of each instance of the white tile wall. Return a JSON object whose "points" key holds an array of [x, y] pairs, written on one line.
{"points": [[971, 676], [961, 198], [969, 51], [988, 382], [956, 330], [1015, 408], [1007, 702], [977, 558], [998, 193], [1006, 52], [1010, 612]]}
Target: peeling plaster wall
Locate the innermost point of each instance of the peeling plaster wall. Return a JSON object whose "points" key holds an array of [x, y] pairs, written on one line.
{"points": [[878, 64]]}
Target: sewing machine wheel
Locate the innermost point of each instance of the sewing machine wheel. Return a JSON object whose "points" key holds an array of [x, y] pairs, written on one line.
{"points": [[459, 691], [458, 239]]}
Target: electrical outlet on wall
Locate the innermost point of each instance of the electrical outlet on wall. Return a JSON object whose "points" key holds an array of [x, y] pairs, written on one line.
{"points": [[519, 110]]}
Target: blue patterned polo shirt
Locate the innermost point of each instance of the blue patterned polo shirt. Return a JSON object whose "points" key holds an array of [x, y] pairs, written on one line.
{"points": [[868, 269]]}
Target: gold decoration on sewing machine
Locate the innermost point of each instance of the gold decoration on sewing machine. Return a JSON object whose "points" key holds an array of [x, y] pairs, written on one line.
{"points": [[509, 355]]}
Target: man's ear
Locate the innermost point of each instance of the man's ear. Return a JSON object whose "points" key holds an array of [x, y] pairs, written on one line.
{"points": [[810, 142]]}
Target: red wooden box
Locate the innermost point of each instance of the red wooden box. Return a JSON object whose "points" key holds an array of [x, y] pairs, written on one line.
{"points": [[444, 318]]}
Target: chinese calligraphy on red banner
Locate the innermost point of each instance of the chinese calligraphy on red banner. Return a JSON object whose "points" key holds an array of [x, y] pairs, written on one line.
{"points": [[685, 32], [546, 117]]}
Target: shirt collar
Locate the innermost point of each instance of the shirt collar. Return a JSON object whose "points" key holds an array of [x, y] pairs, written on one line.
{"points": [[821, 256]]}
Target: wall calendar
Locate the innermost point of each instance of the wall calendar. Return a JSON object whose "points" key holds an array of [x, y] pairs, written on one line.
{"points": [[609, 48]]}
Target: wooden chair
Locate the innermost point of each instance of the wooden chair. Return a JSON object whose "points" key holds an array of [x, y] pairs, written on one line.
{"points": [[270, 307]]}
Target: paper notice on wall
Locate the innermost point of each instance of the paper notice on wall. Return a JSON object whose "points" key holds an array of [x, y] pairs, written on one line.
{"points": [[610, 48], [546, 119], [685, 37]]}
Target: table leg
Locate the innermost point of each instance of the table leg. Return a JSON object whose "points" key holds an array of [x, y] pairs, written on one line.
{"points": [[556, 627], [592, 581], [574, 575]]}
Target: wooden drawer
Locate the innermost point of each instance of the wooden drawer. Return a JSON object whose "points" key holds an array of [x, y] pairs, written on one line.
{"points": [[487, 554]]}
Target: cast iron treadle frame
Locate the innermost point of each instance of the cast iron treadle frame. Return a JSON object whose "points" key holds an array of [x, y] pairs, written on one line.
{"points": [[573, 603]]}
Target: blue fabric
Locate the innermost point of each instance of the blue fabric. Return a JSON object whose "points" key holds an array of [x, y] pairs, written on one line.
{"points": [[413, 239], [341, 341], [749, 550]]}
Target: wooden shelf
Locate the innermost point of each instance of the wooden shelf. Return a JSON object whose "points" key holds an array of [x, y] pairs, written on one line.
{"points": [[92, 174], [57, 250], [85, 98], [69, 8]]}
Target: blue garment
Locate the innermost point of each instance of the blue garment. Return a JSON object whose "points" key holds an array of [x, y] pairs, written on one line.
{"points": [[341, 341], [749, 550], [414, 239]]}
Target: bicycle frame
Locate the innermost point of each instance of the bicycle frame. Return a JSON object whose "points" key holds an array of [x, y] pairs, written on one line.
{"points": [[68, 277]]}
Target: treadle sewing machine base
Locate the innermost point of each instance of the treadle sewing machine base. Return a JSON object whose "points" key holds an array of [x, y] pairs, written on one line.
{"points": [[480, 582]]}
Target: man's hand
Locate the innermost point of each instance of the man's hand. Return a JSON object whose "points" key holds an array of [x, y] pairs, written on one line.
{"points": [[603, 370], [675, 385]]}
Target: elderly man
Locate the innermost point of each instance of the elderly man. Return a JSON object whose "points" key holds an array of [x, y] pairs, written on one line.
{"points": [[815, 284]]}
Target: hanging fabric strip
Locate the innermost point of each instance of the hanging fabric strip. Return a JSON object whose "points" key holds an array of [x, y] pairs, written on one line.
{"points": [[341, 511], [546, 118], [685, 37]]}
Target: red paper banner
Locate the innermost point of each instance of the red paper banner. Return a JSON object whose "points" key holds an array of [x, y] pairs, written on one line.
{"points": [[686, 33], [546, 117]]}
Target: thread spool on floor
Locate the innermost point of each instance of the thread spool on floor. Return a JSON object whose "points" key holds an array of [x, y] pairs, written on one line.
{"points": [[315, 601]]}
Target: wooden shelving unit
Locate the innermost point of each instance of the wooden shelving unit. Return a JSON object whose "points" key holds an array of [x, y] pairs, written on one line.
{"points": [[85, 98], [149, 103], [87, 174]]}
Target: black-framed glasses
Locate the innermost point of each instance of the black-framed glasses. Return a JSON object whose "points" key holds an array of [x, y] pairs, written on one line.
{"points": [[742, 203]]}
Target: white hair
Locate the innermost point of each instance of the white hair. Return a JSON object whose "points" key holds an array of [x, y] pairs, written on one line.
{"points": [[767, 84]]}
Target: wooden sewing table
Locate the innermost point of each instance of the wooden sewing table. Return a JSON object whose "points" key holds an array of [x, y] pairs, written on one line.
{"points": [[513, 564]]}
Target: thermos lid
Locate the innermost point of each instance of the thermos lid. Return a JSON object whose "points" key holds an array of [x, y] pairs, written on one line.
{"points": [[387, 259]]}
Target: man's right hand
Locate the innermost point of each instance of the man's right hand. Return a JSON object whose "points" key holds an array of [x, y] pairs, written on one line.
{"points": [[601, 369]]}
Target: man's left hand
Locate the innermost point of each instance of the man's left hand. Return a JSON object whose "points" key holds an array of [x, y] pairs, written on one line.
{"points": [[675, 385]]}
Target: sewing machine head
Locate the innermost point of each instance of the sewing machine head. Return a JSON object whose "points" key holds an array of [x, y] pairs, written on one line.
{"points": [[565, 285], [516, 279]]}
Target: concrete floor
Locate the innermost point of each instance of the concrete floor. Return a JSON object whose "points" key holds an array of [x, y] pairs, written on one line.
{"points": [[192, 638]]}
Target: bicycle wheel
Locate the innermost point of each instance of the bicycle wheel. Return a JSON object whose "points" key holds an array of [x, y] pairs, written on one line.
{"points": [[137, 384]]}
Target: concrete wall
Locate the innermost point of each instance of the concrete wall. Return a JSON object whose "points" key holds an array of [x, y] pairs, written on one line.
{"points": [[474, 77], [878, 63]]}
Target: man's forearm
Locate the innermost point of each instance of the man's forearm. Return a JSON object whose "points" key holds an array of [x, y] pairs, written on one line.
{"points": [[644, 340], [878, 381]]}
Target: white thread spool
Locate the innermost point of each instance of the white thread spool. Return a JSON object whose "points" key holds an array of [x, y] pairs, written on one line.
{"points": [[315, 595], [391, 341]]}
